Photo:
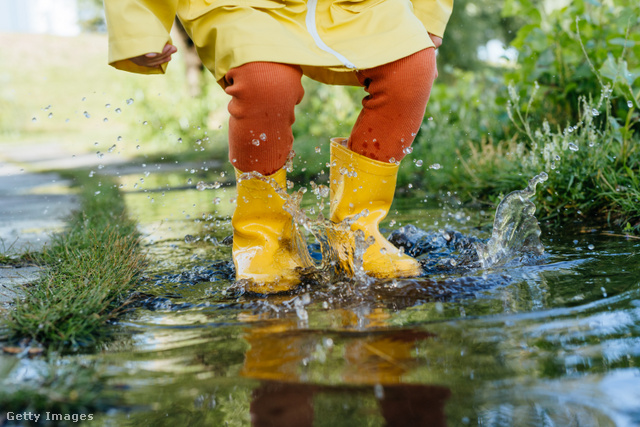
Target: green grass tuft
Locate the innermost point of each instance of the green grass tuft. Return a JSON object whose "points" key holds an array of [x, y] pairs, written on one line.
{"points": [[90, 270]]}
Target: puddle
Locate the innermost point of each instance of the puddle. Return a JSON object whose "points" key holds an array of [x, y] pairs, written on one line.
{"points": [[550, 340]]}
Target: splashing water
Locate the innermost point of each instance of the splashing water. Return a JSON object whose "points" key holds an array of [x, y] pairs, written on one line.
{"points": [[515, 229], [516, 234], [342, 250]]}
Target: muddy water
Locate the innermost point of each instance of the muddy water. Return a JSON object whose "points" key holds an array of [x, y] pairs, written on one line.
{"points": [[551, 340]]}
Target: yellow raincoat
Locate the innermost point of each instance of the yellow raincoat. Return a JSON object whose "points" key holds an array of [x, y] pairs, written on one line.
{"points": [[329, 39]]}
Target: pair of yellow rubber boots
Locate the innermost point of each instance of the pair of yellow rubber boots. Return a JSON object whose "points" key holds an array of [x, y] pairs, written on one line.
{"points": [[267, 248]]}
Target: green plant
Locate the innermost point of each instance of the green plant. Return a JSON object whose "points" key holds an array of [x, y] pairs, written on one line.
{"points": [[552, 53], [91, 269]]}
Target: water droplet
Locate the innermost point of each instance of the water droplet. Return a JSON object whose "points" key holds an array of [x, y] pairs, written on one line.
{"points": [[255, 142], [87, 115], [392, 160], [419, 163], [216, 201], [113, 147], [119, 138], [118, 110], [591, 247], [34, 119], [179, 140], [129, 101], [189, 239], [629, 104], [573, 147], [595, 112], [408, 150], [99, 154], [107, 105], [430, 119], [96, 193], [435, 166], [105, 120], [84, 98], [50, 115], [91, 174], [145, 123], [263, 136], [378, 391], [189, 181], [318, 150]]}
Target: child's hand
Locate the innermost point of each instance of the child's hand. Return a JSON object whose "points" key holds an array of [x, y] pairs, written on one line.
{"points": [[153, 59], [436, 40]]}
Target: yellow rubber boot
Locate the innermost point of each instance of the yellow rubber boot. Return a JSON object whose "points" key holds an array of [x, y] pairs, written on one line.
{"points": [[268, 250], [358, 183]]}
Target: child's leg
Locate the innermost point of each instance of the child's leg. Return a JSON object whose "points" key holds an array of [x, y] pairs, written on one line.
{"points": [[267, 250], [264, 95], [395, 106]]}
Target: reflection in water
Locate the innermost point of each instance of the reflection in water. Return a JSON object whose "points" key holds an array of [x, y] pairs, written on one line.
{"points": [[292, 404], [374, 362]]}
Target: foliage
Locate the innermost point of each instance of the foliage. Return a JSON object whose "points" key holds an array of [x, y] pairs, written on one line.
{"points": [[569, 107], [552, 53], [462, 109], [472, 24], [591, 163]]}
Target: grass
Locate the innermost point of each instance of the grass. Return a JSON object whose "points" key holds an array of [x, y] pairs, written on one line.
{"points": [[20, 260], [90, 271], [593, 164]]}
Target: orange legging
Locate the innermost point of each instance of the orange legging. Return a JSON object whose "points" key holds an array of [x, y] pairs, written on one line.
{"points": [[264, 95]]}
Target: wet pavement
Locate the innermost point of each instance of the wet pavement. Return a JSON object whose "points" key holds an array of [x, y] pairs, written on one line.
{"points": [[33, 206]]}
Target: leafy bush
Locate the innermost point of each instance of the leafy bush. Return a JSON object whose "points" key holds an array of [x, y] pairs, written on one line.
{"points": [[572, 50]]}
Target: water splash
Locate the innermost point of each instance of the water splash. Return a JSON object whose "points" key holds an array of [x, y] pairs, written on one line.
{"points": [[341, 249], [515, 229]]}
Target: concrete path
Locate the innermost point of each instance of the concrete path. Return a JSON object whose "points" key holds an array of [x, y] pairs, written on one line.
{"points": [[32, 207]]}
